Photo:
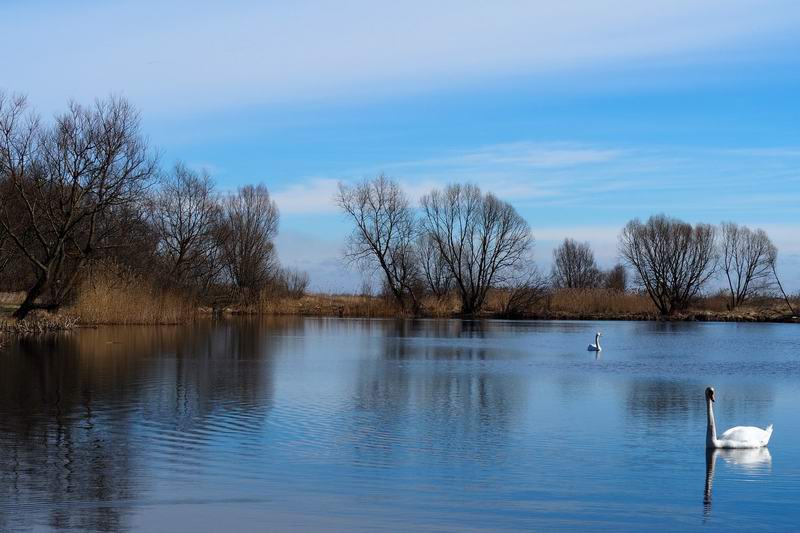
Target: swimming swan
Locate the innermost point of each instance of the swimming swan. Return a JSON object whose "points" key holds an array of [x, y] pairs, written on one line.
{"points": [[737, 437], [596, 346]]}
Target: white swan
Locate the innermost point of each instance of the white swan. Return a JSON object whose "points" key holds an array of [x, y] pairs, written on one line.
{"points": [[737, 437], [596, 346]]}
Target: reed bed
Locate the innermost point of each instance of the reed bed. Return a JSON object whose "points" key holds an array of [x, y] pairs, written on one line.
{"points": [[11, 298], [337, 305], [111, 295], [582, 302], [36, 324]]}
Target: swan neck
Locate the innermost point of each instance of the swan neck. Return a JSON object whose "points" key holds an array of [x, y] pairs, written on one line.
{"points": [[597, 340], [711, 430]]}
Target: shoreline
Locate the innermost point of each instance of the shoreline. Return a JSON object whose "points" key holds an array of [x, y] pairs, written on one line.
{"points": [[632, 308], [690, 316]]}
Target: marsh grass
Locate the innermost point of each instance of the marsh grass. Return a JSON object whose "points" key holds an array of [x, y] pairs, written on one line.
{"points": [[36, 324], [581, 302], [337, 305], [112, 295]]}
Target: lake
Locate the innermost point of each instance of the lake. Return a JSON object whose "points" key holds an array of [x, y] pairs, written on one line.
{"points": [[331, 424]]}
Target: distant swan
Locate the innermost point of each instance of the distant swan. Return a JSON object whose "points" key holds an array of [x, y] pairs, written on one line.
{"points": [[596, 346], [737, 437]]}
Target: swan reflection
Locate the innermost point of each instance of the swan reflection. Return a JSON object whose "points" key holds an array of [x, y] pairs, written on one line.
{"points": [[750, 460]]}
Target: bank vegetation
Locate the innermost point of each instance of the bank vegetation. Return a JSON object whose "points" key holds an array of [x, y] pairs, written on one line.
{"points": [[94, 230]]}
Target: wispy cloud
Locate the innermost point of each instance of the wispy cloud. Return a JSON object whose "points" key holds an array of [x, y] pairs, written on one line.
{"points": [[187, 56], [573, 176], [518, 154], [514, 170], [313, 196], [583, 191]]}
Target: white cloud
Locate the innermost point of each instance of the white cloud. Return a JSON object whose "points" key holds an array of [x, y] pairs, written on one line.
{"points": [[314, 196], [636, 182], [585, 192], [186, 55], [505, 169], [519, 154]]}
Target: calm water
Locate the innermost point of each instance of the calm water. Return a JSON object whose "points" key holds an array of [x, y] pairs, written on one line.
{"points": [[299, 424]]}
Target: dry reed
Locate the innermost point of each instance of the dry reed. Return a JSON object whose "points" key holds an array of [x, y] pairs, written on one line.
{"points": [[588, 302], [37, 324], [111, 295], [341, 305]]}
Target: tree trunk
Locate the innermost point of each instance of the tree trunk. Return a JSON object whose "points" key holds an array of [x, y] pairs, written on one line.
{"points": [[785, 296], [29, 304]]}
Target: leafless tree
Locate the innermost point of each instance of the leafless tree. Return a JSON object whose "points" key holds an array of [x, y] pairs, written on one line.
{"points": [[247, 229], [63, 185], [185, 215], [384, 234], [523, 291], [616, 279], [436, 274], [482, 239], [747, 257], [290, 282], [673, 260], [782, 291], [574, 266]]}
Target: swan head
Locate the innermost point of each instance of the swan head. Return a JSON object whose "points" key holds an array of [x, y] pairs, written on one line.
{"points": [[710, 394], [598, 334]]}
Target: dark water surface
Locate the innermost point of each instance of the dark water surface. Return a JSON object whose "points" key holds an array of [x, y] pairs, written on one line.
{"points": [[309, 424]]}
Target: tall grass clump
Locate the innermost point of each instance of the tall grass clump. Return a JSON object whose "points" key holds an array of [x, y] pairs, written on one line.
{"points": [[584, 302], [110, 294], [38, 323], [335, 305]]}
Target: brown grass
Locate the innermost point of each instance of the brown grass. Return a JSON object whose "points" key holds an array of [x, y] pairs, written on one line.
{"points": [[588, 302], [562, 303], [573, 304], [111, 295], [341, 305], [9, 301], [36, 324]]}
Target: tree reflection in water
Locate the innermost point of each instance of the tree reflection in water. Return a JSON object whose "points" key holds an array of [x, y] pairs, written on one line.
{"points": [[72, 407], [458, 414]]}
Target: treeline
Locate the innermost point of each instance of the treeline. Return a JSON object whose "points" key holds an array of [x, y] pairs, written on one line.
{"points": [[461, 241], [85, 192], [465, 241], [84, 203]]}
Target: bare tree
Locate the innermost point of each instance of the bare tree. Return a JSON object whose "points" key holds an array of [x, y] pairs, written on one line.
{"points": [[185, 215], [782, 291], [747, 259], [673, 260], [64, 184], [384, 234], [290, 282], [246, 233], [616, 279], [574, 266], [437, 276], [523, 291], [482, 239]]}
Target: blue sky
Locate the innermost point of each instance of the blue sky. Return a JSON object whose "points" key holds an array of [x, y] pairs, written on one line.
{"points": [[582, 114]]}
